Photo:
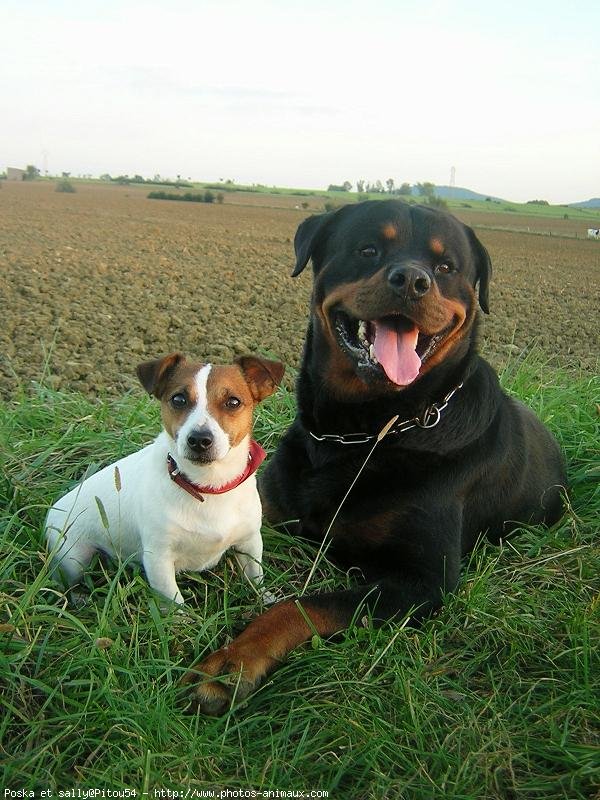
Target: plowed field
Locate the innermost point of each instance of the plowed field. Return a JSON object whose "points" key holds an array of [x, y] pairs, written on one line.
{"points": [[94, 282]]}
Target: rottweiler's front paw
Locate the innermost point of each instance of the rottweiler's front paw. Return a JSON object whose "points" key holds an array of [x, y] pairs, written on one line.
{"points": [[227, 675]]}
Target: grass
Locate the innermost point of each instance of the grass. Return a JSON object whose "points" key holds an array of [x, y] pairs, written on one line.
{"points": [[497, 697]]}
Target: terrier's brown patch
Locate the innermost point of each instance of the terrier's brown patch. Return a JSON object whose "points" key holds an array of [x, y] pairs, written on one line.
{"points": [[224, 384]]}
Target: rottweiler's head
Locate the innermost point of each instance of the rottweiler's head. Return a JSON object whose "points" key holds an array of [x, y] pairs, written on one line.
{"points": [[394, 291]]}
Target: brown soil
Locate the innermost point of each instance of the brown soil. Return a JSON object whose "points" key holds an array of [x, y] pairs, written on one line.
{"points": [[94, 282]]}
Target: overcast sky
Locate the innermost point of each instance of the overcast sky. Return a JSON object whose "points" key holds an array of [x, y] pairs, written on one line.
{"points": [[308, 93]]}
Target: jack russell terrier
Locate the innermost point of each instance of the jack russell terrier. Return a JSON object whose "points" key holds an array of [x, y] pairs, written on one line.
{"points": [[182, 501]]}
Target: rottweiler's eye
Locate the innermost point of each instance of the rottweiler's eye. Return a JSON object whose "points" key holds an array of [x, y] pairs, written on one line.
{"points": [[179, 401], [233, 402], [370, 251], [444, 269]]}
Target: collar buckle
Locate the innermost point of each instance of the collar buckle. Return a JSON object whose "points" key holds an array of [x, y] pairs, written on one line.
{"points": [[430, 417]]}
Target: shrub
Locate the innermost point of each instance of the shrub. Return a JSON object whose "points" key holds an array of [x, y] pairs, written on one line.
{"points": [[65, 186], [220, 197], [188, 197], [32, 173], [436, 202], [426, 189]]}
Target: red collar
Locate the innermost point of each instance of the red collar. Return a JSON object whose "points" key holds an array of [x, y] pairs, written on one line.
{"points": [[256, 455]]}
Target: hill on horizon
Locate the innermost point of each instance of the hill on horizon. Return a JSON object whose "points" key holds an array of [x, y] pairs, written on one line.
{"points": [[594, 202], [460, 193]]}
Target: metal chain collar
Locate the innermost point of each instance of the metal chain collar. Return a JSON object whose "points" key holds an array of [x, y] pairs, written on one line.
{"points": [[428, 419]]}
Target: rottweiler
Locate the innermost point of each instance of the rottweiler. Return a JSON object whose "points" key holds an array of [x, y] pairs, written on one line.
{"points": [[390, 365]]}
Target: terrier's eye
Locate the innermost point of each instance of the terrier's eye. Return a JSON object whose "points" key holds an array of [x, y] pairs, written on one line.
{"points": [[233, 402], [179, 401], [444, 269], [370, 251]]}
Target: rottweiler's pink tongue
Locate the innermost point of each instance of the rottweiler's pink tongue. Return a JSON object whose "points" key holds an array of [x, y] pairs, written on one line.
{"points": [[395, 351]]}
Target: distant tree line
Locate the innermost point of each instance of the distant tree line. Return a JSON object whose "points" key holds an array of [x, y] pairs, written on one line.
{"points": [[231, 186], [156, 180], [188, 197], [425, 189], [342, 187]]}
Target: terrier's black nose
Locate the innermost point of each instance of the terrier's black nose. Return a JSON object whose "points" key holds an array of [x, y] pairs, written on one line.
{"points": [[412, 282], [200, 440]]}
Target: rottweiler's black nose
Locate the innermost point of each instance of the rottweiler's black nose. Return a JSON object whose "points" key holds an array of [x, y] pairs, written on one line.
{"points": [[411, 282], [200, 440]]}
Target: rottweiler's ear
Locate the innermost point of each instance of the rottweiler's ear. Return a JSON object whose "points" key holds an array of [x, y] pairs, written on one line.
{"points": [[153, 374], [307, 237], [484, 269]]}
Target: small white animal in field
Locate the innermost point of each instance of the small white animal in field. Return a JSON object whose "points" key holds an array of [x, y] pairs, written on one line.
{"points": [[182, 501]]}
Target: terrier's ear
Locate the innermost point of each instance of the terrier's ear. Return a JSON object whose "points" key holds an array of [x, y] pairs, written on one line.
{"points": [[262, 375], [153, 375]]}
